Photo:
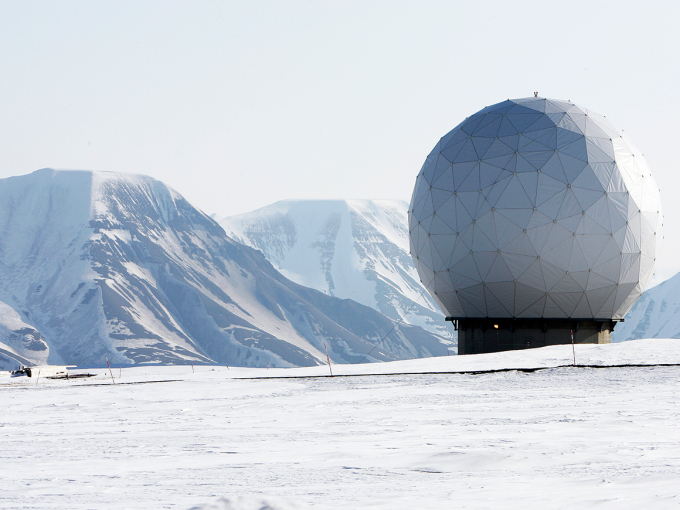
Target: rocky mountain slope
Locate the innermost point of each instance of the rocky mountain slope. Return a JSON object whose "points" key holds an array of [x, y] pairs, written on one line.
{"points": [[20, 343], [356, 249], [655, 315], [96, 264]]}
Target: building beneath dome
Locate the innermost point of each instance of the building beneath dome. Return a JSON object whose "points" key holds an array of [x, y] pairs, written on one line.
{"points": [[531, 219], [477, 336]]}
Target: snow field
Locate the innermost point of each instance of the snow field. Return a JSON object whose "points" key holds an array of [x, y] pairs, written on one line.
{"points": [[556, 438]]}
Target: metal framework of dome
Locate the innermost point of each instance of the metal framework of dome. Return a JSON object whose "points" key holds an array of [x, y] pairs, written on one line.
{"points": [[535, 208]]}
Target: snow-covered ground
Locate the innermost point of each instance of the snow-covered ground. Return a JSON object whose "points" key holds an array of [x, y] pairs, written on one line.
{"points": [[554, 438]]}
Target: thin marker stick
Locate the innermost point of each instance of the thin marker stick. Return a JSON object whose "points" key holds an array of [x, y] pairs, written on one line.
{"points": [[110, 372], [328, 359], [573, 349]]}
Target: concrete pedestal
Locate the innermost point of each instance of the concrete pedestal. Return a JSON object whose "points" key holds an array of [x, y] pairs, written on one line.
{"points": [[476, 336]]}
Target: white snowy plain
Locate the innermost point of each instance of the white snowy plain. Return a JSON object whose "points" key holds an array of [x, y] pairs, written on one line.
{"points": [[567, 437]]}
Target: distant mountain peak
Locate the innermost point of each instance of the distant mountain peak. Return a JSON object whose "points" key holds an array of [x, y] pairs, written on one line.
{"points": [[356, 249]]}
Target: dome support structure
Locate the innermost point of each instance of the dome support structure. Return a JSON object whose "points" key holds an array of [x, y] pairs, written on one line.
{"points": [[485, 335]]}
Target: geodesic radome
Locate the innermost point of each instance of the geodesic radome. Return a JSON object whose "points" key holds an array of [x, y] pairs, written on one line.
{"points": [[535, 208]]}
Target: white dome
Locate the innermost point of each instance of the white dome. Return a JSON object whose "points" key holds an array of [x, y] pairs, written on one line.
{"points": [[535, 208]]}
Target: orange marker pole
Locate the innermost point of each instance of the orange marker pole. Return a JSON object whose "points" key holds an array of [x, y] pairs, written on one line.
{"points": [[110, 372]]}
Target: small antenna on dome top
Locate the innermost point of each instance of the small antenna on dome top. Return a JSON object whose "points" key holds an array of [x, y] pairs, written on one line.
{"points": [[535, 94]]}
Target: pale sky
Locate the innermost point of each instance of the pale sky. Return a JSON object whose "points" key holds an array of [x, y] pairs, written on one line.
{"points": [[239, 104]]}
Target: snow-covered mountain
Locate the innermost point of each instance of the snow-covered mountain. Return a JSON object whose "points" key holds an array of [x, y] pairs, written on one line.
{"points": [[655, 315], [356, 249], [96, 264]]}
